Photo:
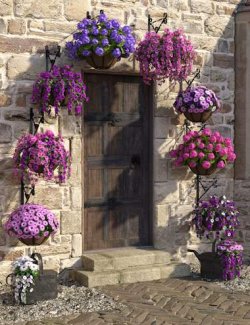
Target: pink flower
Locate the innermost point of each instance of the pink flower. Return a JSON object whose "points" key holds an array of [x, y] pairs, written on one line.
{"points": [[191, 146], [218, 147], [210, 147], [206, 164], [173, 153], [193, 154], [206, 132], [185, 156], [201, 155], [186, 138], [192, 164], [221, 164], [201, 145], [211, 156]]}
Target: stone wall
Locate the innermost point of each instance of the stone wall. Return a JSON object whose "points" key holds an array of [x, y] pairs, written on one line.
{"points": [[26, 26]]}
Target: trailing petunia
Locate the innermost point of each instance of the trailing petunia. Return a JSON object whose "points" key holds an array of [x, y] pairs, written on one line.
{"points": [[58, 88], [218, 216], [42, 155], [168, 56]]}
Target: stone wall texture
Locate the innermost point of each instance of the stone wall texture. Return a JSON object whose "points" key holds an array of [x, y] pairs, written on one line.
{"points": [[26, 26]]}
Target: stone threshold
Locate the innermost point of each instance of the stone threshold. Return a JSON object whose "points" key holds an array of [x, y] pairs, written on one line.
{"points": [[127, 265]]}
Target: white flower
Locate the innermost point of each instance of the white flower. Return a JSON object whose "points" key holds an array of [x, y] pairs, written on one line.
{"points": [[23, 267]]}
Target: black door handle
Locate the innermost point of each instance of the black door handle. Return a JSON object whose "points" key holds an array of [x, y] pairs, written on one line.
{"points": [[135, 161]]}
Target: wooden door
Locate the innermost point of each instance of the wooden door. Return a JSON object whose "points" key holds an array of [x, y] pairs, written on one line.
{"points": [[117, 142]]}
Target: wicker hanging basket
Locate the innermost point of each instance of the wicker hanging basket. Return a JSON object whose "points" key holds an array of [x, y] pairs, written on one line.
{"points": [[34, 241], [199, 170], [101, 62], [198, 117]]}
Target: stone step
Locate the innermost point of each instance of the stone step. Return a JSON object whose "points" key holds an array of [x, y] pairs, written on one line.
{"points": [[130, 275], [124, 258]]}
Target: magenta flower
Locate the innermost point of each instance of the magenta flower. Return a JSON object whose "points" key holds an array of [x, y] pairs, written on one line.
{"points": [[206, 164], [221, 164], [199, 149], [168, 56], [46, 158], [59, 88]]}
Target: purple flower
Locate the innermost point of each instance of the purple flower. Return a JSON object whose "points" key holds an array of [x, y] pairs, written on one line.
{"points": [[105, 42], [116, 53], [59, 87], [108, 33], [99, 51], [50, 155], [36, 228]]}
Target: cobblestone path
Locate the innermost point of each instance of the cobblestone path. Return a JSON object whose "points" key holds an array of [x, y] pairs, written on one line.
{"points": [[170, 301]]}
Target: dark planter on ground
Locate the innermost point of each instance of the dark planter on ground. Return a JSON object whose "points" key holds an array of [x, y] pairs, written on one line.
{"points": [[211, 267]]}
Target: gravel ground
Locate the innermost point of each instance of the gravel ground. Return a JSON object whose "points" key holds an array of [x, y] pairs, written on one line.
{"points": [[72, 299], [238, 284]]}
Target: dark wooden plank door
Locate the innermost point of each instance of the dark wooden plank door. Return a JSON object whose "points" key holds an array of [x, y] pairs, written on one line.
{"points": [[117, 202]]}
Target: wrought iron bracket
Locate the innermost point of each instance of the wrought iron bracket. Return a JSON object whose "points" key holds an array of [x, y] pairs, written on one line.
{"points": [[161, 21], [51, 56], [200, 184]]}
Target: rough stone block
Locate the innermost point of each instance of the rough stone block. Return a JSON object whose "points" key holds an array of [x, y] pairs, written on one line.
{"points": [[3, 27], [167, 192], [5, 133], [175, 270], [33, 8], [24, 66], [76, 245], [76, 9], [52, 197], [140, 274], [224, 61], [76, 198], [218, 26], [71, 222], [201, 6], [94, 279], [17, 26], [5, 100], [6, 7]]}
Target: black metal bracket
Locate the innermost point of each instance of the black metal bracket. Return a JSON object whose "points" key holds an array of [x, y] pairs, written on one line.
{"points": [[196, 75], [51, 55], [161, 21], [199, 183]]}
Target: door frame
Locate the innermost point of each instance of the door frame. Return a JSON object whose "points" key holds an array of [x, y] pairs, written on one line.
{"points": [[150, 165]]}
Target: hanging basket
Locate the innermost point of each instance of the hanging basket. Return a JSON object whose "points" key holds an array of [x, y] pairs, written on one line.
{"points": [[199, 170], [101, 62], [34, 241], [198, 117]]}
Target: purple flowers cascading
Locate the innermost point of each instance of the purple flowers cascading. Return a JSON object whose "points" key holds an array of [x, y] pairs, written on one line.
{"points": [[196, 100], [42, 155], [219, 216], [58, 87], [231, 254], [101, 36], [31, 220], [168, 56]]}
